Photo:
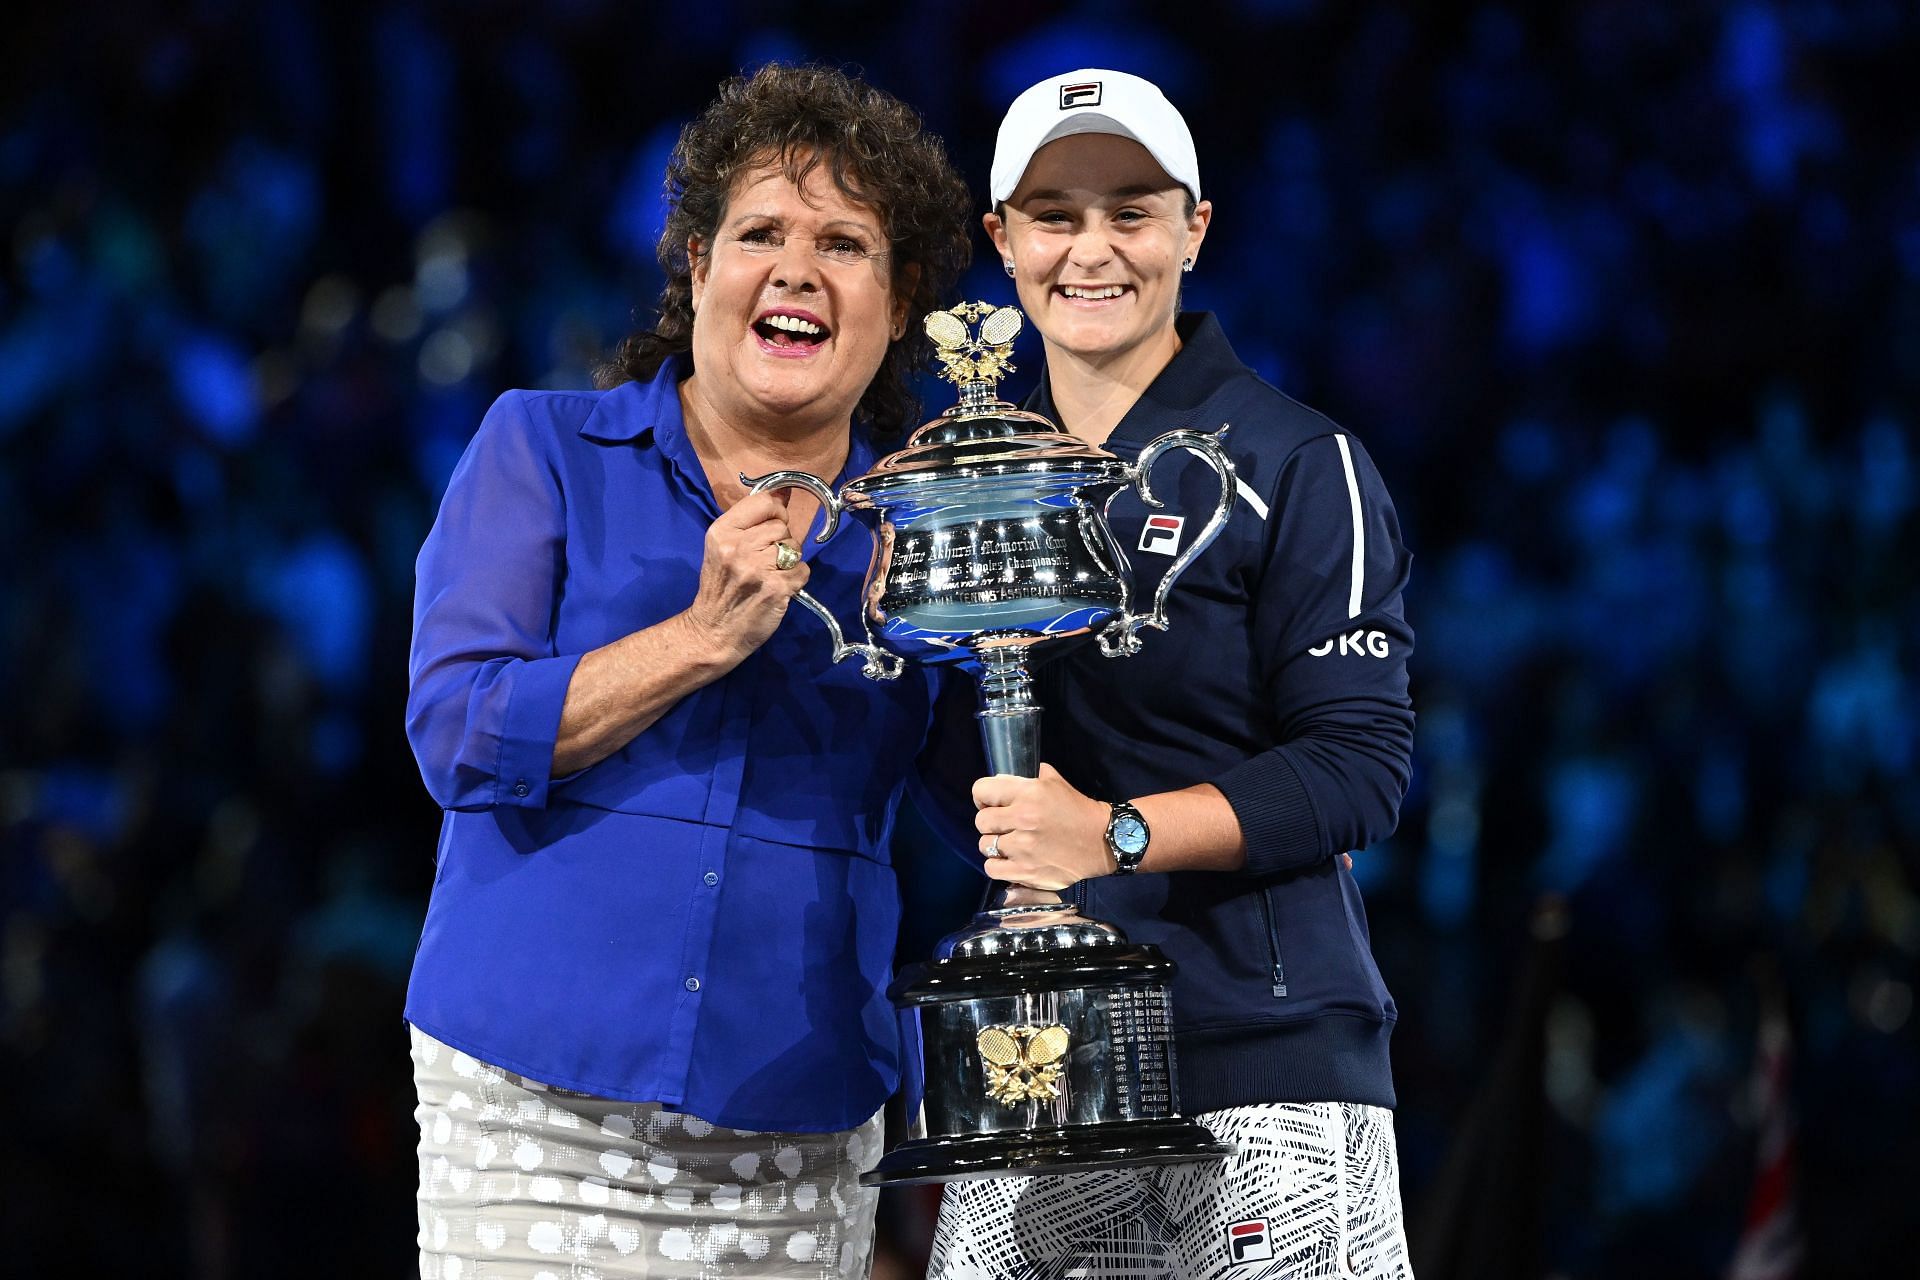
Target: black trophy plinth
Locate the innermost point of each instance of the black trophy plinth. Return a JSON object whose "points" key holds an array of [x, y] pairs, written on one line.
{"points": [[1048, 1046]]}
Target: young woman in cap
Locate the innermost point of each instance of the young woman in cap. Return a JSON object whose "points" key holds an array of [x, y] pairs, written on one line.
{"points": [[1204, 794]]}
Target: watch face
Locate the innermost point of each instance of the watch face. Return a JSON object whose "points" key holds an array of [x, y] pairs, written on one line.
{"points": [[1129, 834]]}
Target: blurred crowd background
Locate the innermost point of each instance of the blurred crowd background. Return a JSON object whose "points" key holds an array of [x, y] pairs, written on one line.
{"points": [[1623, 297]]}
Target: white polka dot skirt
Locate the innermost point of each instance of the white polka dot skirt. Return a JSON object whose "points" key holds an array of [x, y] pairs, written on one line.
{"points": [[526, 1182]]}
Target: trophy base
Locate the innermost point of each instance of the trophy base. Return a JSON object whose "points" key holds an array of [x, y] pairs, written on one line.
{"points": [[1122, 1144]]}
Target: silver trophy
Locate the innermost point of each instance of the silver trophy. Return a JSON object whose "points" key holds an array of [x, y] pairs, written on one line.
{"points": [[1048, 1035]]}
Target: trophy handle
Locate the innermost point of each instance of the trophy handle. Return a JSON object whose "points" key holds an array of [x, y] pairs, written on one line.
{"points": [[1121, 637], [879, 665]]}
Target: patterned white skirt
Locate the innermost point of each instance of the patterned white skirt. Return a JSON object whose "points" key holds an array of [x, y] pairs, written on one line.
{"points": [[1311, 1193], [527, 1182]]}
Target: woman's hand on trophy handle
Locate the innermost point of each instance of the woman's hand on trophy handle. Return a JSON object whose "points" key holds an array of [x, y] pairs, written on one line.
{"points": [[878, 664], [743, 593], [774, 481], [1040, 831]]}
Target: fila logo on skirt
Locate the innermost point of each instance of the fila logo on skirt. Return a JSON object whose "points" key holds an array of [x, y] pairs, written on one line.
{"points": [[1248, 1241]]}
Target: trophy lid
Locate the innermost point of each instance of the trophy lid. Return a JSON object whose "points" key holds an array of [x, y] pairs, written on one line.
{"points": [[974, 342]]}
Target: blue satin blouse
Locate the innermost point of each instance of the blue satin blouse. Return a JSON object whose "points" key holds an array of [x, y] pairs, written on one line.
{"points": [[706, 918]]}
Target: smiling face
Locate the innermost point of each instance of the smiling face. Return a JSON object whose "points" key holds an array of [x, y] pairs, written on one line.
{"points": [[1097, 233], [793, 304]]}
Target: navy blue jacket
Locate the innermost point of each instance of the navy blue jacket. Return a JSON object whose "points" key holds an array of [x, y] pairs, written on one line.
{"points": [[1282, 679]]}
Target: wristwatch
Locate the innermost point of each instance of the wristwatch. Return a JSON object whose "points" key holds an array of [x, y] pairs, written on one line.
{"points": [[1127, 837]]}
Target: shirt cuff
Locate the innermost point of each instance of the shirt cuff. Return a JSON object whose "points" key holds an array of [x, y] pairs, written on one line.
{"points": [[1276, 814], [532, 725]]}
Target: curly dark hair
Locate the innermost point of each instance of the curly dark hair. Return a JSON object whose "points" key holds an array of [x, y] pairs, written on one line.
{"points": [[878, 154]]}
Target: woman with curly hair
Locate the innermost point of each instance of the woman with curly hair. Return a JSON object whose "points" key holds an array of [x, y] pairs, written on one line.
{"points": [[650, 1034]]}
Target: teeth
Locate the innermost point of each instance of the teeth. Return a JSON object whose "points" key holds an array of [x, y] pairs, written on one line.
{"points": [[1104, 291], [793, 324]]}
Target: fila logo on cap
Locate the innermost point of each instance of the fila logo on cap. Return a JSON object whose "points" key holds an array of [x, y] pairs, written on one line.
{"points": [[1080, 95], [1162, 534], [1248, 1241]]}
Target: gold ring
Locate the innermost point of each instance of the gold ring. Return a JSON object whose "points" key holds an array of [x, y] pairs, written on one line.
{"points": [[993, 848], [785, 555]]}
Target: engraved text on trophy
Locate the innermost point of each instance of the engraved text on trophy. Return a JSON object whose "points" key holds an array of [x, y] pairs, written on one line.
{"points": [[1053, 560]]}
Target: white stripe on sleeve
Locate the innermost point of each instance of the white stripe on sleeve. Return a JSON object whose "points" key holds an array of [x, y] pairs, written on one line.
{"points": [[1359, 529], [1248, 496]]}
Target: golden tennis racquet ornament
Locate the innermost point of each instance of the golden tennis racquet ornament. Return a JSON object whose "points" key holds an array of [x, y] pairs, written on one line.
{"points": [[1023, 1063]]}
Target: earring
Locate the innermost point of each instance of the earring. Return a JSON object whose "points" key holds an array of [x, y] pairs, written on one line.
{"points": [[1187, 265], [1008, 264]]}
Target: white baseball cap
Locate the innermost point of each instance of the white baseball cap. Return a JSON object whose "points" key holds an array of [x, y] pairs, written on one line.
{"points": [[1092, 101]]}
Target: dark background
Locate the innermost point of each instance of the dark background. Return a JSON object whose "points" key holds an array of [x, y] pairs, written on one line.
{"points": [[1623, 297]]}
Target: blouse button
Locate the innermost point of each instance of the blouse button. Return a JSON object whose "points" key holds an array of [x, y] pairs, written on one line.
{"points": [[712, 877], [693, 984], [521, 788]]}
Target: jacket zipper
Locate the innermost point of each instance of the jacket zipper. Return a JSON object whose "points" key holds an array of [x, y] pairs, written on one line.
{"points": [[1273, 946]]}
